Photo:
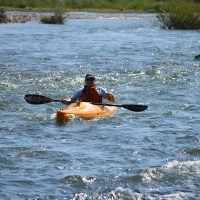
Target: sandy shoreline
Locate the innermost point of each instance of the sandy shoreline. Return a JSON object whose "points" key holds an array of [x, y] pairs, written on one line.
{"points": [[23, 17]]}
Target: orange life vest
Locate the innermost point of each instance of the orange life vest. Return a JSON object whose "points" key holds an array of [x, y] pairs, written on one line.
{"points": [[91, 94]]}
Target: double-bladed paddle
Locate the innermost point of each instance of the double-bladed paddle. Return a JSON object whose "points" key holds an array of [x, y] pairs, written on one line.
{"points": [[39, 99]]}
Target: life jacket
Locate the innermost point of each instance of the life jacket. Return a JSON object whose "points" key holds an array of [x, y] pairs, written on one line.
{"points": [[91, 94]]}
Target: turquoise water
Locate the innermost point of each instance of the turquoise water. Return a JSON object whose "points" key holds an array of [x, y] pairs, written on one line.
{"points": [[153, 155]]}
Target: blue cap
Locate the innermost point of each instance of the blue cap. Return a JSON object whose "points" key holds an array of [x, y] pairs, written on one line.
{"points": [[89, 76]]}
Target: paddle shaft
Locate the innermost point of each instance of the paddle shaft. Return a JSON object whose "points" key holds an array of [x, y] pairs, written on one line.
{"points": [[131, 107], [55, 100], [106, 104], [39, 99]]}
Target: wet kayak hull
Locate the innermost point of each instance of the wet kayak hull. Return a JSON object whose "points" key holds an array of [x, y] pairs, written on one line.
{"points": [[86, 111]]}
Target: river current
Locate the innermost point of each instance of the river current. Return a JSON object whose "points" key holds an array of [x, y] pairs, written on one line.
{"points": [[151, 155]]}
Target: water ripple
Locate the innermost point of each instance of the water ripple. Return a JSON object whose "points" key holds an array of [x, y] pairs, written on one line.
{"points": [[148, 155]]}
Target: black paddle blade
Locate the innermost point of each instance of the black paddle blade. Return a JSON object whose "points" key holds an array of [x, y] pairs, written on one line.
{"points": [[136, 108], [37, 99], [132, 107]]}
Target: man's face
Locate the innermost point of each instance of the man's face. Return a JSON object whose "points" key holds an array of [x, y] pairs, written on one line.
{"points": [[90, 82]]}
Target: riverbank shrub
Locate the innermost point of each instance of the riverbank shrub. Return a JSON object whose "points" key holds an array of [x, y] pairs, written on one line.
{"points": [[57, 18], [22, 6], [57, 8], [180, 14]]}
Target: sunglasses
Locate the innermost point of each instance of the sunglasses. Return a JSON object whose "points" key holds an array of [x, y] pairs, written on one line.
{"points": [[90, 79]]}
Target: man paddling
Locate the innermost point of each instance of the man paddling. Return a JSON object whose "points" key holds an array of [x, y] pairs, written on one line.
{"points": [[91, 93]]}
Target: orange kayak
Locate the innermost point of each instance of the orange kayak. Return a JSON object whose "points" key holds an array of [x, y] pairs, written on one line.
{"points": [[86, 111]]}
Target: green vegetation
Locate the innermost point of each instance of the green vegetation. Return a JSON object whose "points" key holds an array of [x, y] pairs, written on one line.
{"points": [[57, 18], [177, 14], [89, 5]]}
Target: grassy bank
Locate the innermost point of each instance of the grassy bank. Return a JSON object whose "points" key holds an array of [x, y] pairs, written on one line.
{"points": [[173, 14], [179, 14], [83, 5]]}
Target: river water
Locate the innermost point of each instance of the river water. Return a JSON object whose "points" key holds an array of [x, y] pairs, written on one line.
{"points": [[154, 154]]}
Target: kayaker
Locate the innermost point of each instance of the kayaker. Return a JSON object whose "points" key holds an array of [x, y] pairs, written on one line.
{"points": [[91, 93]]}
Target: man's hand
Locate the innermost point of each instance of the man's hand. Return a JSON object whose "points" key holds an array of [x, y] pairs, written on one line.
{"points": [[110, 97], [65, 101]]}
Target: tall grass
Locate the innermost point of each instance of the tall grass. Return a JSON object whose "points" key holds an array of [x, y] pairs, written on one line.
{"points": [[180, 14], [115, 5], [25, 3], [121, 5], [144, 5]]}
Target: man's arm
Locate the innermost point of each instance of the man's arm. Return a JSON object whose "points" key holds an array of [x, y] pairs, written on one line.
{"points": [[110, 97]]}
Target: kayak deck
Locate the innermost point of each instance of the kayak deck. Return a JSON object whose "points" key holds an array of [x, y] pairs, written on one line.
{"points": [[86, 111]]}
